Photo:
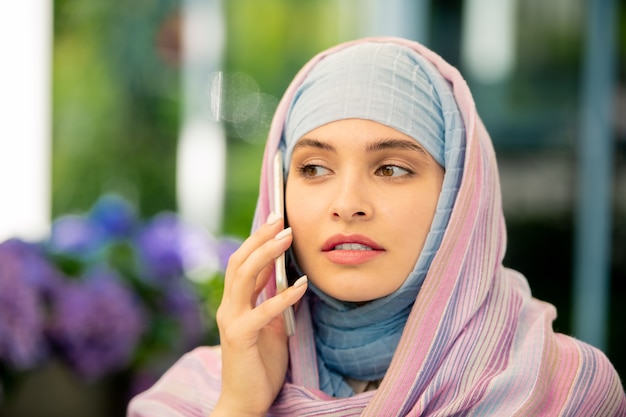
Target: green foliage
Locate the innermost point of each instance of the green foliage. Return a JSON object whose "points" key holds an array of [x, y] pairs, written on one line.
{"points": [[115, 105]]}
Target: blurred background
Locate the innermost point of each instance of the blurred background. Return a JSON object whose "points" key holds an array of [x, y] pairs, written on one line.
{"points": [[131, 147]]}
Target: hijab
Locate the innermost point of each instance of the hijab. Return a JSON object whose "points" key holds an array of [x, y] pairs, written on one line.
{"points": [[395, 86], [475, 343]]}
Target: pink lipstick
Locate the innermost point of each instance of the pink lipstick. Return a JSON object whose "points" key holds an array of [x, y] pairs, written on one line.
{"points": [[351, 249]]}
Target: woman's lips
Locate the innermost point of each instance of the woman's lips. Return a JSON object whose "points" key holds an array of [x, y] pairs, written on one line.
{"points": [[351, 249]]}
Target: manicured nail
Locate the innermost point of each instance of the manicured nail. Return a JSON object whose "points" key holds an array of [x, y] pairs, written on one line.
{"points": [[301, 281], [283, 234], [273, 218]]}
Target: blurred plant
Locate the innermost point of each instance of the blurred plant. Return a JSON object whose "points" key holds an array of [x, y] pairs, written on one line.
{"points": [[107, 293]]}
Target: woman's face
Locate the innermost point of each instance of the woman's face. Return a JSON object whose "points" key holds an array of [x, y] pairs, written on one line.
{"points": [[360, 199]]}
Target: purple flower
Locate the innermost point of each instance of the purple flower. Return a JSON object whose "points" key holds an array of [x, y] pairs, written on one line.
{"points": [[159, 247], [115, 216], [21, 316], [76, 236], [33, 266], [199, 253], [96, 324]]}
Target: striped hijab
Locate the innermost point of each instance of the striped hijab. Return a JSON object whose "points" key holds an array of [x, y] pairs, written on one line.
{"points": [[476, 343], [397, 87]]}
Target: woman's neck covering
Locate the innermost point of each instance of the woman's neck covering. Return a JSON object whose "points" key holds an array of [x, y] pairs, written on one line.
{"points": [[395, 86]]}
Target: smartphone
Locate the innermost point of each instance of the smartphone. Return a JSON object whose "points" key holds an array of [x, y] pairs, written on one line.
{"points": [[278, 206]]}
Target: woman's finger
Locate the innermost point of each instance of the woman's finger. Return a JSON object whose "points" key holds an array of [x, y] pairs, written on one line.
{"points": [[252, 243], [262, 279], [244, 284], [271, 308], [243, 329]]}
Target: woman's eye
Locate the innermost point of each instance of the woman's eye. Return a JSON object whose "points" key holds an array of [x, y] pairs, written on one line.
{"points": [[313, 170], [392, 171]]}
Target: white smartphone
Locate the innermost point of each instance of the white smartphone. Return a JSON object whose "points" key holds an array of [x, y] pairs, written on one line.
{"points": [[278, 206]]}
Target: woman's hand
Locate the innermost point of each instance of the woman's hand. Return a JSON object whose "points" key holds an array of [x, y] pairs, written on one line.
{"points": [[253, 340]]}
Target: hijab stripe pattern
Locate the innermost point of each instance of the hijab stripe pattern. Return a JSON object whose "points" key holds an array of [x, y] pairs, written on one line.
{"points": [[476, 343]]}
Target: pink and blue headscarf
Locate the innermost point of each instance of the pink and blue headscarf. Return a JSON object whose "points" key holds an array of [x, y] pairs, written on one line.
{"points": [[395, 86]]}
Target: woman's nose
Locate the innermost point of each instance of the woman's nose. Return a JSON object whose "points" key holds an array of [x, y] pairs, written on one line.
{"points": [[351, 201]]}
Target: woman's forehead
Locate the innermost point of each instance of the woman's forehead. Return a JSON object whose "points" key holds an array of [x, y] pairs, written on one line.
{"points": [[360, 136]]}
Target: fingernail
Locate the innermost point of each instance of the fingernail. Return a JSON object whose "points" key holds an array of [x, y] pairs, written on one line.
{"points": [[301, 281], [273, 218], [283, 233]]}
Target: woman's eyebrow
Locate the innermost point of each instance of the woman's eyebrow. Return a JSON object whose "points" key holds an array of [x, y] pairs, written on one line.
{"points": [[392, 143], [314, 143], [378, 145]]}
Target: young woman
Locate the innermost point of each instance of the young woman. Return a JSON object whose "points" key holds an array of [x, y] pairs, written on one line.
{"points": [[394, 225]]}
